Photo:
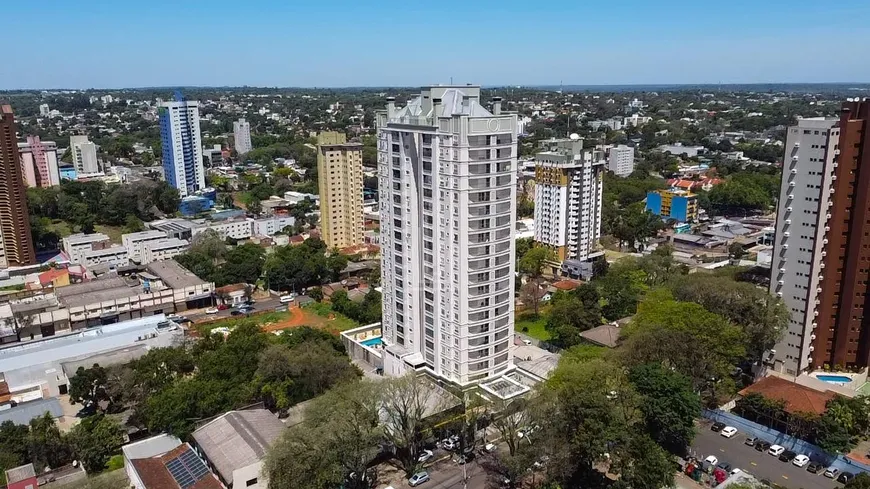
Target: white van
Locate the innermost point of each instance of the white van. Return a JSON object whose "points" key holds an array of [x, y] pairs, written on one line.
{"points": [[287, 298]]}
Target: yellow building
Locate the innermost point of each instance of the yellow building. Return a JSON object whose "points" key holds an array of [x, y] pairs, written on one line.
{"points": [[339, 171]]}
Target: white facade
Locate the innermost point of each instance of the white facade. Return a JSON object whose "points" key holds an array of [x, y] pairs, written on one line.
{"points": [[447, 179], [182, 146], [797, 253], [271, 225], [135, 242], [240, 229], [163, 249], [84, 155], [44, 110], [621, 160], [77, 245], [242, 136], [568, 196], [635, 120], [114, 256]]}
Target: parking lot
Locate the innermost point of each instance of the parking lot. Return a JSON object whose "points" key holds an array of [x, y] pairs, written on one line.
{"points": [[761, 465]]}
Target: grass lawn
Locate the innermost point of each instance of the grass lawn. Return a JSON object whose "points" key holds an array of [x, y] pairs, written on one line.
{"points": [[535, 325], [61, 228], [113, 232], [105, 480], [340, 321]]}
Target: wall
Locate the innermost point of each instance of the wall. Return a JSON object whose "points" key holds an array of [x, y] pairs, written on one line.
{"points": [[747, 427]]}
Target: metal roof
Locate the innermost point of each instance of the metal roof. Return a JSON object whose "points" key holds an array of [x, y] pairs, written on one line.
{"points": [[24, 412], [238, 439]]}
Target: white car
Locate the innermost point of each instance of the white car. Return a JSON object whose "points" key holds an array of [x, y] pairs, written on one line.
{"points": [[776, 450], [712, 460], [832, 472], [801, 460], [425, 456], [527, 342], [418, 478], [212, 310], [287, 298], [490, 447], [728, 431]]}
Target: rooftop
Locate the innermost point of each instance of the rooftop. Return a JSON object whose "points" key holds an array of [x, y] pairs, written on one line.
{"points": [[82, 238], [101, 290], [604, 335], [174, 275], [797, 398], [19, 474], [179, 468], [26, 411], [150, 234], [150, 447], [238, 439], [164, 244]]}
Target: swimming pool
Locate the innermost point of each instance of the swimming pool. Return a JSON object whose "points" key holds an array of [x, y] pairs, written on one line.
{"points": [[372, 341], [834, 379]]}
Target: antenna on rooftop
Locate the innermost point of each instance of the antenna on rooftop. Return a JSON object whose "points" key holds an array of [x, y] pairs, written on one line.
{"points": [[451, 80]]}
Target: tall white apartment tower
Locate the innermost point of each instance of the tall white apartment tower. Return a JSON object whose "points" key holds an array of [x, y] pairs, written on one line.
{"points": [[447, 181], [84, 154], [182, 145], [568, 197], [797, 253], [242, 136]]}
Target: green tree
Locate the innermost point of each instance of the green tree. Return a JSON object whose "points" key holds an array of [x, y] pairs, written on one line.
{"points": [[861, 481], [336, 263], [572, 313], [669, 405], [88, 386], [46, 446], [94, 440]]}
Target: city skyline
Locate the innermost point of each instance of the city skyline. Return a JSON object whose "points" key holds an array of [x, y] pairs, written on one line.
{"points": [[678, 42]]}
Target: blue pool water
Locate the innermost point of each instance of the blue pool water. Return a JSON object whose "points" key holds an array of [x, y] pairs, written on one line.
{"points": [[372, 341], [834, 378]]}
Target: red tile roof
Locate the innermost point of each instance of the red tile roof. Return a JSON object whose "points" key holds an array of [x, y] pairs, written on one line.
{"points": [[226, 289], [155, 475], [797, 398], [567, 284], [48, 276]]}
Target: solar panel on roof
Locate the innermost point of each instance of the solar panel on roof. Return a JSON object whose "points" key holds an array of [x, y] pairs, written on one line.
{"points": [[187, 469]]}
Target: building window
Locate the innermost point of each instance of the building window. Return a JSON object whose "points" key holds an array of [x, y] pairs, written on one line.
{"points": [[251, 482]]}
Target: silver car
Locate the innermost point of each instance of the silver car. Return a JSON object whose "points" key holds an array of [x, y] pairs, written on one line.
{"points": [[418, 478]]}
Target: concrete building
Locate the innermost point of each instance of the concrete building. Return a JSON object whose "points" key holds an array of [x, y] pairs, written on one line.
{"points": [[235, 445], [844, 338], [84, 155], [232, 228], [242, 136], [680, 205], [76, 246], [112, 256], [339, 170], [797, 258], [16, 243], [635, 120], [135, 242], [214, 155], [447, 184], [44, 110], [41, 369], [297, 197], [182, 145], [39, 162], [679, 150], [621, 160], [271, 225], [163, 250], [568, 196]]}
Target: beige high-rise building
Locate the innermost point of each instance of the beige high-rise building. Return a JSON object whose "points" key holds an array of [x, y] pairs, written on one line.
{"points": [[339, 171]]}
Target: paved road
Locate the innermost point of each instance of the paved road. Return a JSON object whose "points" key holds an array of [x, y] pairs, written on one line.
{"points": [[760, 465], [262, 305], [448, 475]]}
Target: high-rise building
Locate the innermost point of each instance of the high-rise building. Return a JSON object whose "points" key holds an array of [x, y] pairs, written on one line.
{"points": [[84, 155], [242, 136], [16, 243], [680, 205], [44, 110], [568, 196], [447, 183], [807, 167], [339, 172], [621, 160], [182, 145], [840, 333], [39, 162]]}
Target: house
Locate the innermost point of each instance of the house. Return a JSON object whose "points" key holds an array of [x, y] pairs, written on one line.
{"points": [[54, 277], [236, 443], [566, 285], [232, 294], [23, 477], [178, 468], [605, 335], [796, 398]]}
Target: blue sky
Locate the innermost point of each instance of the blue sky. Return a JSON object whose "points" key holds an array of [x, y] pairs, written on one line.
{"points": [[130, 43]]}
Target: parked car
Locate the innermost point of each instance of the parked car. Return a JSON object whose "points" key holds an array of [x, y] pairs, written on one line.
{"points": [[775, 450], [287, 298], [728, 431], [425, 456], [845, 477], [832, 472], [223, 307], [815, 467], [418, 478], [236, 312], [762, 446], [712, 460], [725, 466], [490, 447], [717, 427], [751, 441], [212, 310], [801, 460], [787, 456]]}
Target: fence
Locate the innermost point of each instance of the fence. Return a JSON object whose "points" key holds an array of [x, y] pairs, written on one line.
{"points": [[789, 442]]}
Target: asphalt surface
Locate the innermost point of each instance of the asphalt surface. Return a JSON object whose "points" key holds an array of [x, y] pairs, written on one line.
{"points": [[759, 464], [448, 475], [262, 305]]}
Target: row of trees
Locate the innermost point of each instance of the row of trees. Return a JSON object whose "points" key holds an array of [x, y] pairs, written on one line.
{"points": [[168, 389], [210, 259]]}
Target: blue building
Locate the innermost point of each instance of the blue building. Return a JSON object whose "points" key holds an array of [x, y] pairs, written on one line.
{"points": [[182, 146], [194, 204], [679, 205]]}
